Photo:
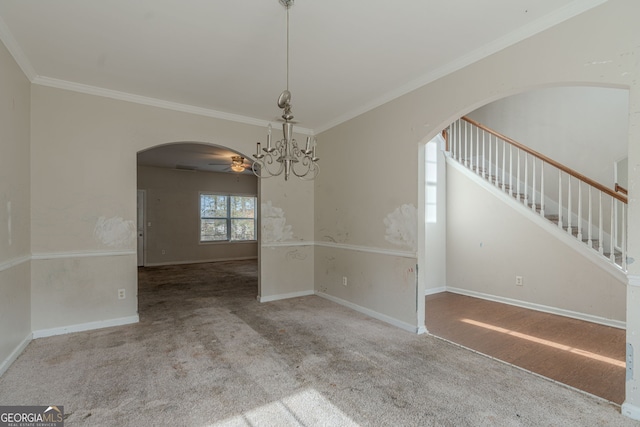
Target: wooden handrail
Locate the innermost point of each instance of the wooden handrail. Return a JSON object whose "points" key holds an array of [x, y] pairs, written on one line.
{"points": [[550, 161], [620, 189]]}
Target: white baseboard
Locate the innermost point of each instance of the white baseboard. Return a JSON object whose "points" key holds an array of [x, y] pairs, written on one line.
{"points": [[395, 322], [42, 333], [14, 354], [631, 411], [543, 308], [435, 290], [200, 261], [285, 296]]}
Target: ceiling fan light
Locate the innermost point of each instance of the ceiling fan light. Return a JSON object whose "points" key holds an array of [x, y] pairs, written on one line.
{"points": [[237, 164]]}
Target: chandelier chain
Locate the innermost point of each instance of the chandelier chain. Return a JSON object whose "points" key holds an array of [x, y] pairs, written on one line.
{"points": [[287, 47]]}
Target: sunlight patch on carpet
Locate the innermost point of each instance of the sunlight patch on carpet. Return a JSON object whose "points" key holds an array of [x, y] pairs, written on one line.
{"points": [[305, 408]]}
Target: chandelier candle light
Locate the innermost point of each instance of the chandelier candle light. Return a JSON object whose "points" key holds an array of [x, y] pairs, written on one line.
{"points": [[291, 158]]}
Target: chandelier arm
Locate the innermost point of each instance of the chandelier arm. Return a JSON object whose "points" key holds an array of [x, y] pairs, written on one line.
{"points": [[310, 174], [261, 170], [266, 160], [308, 166]]}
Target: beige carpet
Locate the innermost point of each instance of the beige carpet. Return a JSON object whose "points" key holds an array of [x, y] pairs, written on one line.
{"points": [[206, 353]]}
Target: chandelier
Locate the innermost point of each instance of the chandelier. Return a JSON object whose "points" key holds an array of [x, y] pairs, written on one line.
{"points": [[285, 155]]}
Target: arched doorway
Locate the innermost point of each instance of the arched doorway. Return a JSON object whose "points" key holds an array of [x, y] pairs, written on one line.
{"points": [[197, 206], [477, 269]]}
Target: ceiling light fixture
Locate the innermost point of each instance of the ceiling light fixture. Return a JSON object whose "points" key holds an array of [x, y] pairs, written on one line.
{"points": [[286, 153], [237, 163]]}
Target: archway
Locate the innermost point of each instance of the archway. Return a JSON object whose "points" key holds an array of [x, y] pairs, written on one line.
{"points": [[200, 205], [476, 268]]}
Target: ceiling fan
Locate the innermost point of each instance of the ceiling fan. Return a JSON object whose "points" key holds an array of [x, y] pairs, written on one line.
{"points": [[237, 164]]}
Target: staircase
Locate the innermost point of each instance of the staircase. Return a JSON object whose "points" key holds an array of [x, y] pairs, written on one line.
{"points": [[592, 213]]}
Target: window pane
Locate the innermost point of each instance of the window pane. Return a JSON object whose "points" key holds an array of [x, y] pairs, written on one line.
{"points": [[213, 206], [243, 229], [431, 214], [242, 207], [432, 194], [213, 229], [432, 172]]}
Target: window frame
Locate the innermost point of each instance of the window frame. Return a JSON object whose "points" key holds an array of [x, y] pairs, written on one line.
{"points": [[228, 218]]}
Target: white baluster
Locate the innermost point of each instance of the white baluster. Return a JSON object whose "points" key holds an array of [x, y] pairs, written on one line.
{"points": [[477, 141], [526, 179], [510, 170], [466, 144], [623, 232], [560, 199], [590, 222], [533, 184], [579, 225], [497, 172], [612, 247], [452, 140], [617, 217], [459, 140], [542, 189], [473, 141], [600, 230], [518, 174], [504, 157], [490, 158], [569, 215], [484, 163]]}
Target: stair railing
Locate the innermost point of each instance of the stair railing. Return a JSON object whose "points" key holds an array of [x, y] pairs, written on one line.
{"points": [[591, 212]]}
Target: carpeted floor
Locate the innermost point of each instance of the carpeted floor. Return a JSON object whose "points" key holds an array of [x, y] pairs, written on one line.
{"points": [[206, 353]]}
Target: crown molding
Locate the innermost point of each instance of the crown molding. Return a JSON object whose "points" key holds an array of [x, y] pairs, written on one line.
{"points": [[154, 102], [567, 12]]}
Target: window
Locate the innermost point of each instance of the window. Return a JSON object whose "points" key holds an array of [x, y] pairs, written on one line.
{"points": [[227, 218], [431, 186]]}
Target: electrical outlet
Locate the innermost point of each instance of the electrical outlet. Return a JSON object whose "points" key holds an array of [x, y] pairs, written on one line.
{"points": [[518, 280], [344, 280], [121, 294]]}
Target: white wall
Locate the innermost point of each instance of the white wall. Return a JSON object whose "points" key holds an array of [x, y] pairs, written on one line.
{"points": [[15, 277], [370, 176], [286, 253], [598, 47], [84, 203], [490, 243], [172, 209], [584, 127]]}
